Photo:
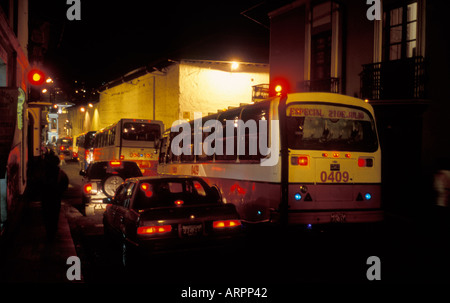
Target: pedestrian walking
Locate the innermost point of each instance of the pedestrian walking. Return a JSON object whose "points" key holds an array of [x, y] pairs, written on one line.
{"points": [[55, 182]]}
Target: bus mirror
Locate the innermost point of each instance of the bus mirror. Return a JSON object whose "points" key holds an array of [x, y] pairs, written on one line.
{"points": [[157, 144]]}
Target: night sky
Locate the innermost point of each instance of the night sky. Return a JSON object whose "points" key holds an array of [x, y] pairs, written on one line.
{"points": [[115, 37]]}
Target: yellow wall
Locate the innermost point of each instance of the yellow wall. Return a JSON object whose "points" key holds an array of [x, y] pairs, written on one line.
{"points": [[209, 86], [134, 99], [185, 87]]}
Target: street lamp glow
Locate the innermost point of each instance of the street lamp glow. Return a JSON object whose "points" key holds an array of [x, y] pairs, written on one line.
{"points": [[90, 105], [82, 109], [278, 89], [234, 65], [44, 90], [49, 80]]}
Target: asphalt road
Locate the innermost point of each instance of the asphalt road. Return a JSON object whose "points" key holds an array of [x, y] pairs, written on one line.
{"points": [[406, 250]]}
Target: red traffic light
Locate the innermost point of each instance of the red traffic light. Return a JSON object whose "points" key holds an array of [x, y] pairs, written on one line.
{"points": [[36, 77]]}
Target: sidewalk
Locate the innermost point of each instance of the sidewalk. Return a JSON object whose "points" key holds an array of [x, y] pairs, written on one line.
{"points": [[27, 255]]}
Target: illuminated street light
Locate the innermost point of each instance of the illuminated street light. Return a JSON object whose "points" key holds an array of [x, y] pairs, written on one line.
{"points": [[278, 89], [36, 77], [49, 80], [82, 109], [90, 105], [234, 65], [44, 90]]}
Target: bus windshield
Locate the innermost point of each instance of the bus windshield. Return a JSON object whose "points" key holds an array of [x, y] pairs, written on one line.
{"points": [[330, 127], [135, 131]]}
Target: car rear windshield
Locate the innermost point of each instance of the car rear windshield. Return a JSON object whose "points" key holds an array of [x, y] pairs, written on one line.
{"points": [[100, 170], [330, 127], [65, 142], [170, 193]]}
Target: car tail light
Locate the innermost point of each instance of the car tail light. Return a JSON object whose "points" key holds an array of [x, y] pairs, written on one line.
{"points": [[365, 162], [150, 230], [90, 188], [179, 202], [300, 160], [61, 148], [226, 223], [87, 188], [75, 154]]}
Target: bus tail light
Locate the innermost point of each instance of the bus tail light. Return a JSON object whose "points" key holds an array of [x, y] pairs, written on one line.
{"points": [[226, 223], [150, 230], [365, 162], [300, 160]]}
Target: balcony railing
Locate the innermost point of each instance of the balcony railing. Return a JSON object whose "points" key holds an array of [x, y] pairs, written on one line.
{"points": [[327, 85], [394, 80]]}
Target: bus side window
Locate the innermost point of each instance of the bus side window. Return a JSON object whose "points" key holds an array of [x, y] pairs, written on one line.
{"points": [[172, 157], [254, 113], [163, 150], [188, 157], [205, 149], [231, 115]]}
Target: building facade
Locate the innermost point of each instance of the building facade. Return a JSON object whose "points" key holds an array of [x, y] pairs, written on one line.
{"points": [[17, 118], [398, 63], [171, 91]]}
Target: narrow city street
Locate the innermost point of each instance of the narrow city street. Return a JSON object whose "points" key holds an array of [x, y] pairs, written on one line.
{"points": [[408, 250]]}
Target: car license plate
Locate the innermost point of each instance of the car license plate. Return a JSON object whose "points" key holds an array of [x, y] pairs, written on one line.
{"points": [[191, 230], [338, 217]]}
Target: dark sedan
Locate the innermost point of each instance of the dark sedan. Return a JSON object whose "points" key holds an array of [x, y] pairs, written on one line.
{"points": [[151, 214]]}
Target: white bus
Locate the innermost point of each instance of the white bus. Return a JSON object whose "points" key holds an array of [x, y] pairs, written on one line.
{"points": [[327, 164], [83, 147], [130, 139]]}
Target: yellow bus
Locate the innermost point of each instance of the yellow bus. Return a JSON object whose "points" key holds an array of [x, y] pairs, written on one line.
{"points": [[324, 163], [130, 139]]}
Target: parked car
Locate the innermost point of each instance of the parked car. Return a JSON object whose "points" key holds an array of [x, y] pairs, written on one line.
{"points": [[160, 214], [101, 180]]}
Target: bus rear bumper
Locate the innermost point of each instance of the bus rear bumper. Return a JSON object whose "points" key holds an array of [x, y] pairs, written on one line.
{"points": [[338, 216]]}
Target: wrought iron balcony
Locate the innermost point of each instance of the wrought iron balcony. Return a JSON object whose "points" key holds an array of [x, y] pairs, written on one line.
{"points": [[327, 85], [394, 80]]}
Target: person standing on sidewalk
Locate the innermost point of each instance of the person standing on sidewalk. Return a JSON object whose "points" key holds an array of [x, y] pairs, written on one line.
{"points": [[54, 183]]}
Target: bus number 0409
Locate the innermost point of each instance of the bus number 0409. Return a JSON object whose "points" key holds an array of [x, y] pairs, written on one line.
{"points": [[334, 176]]}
